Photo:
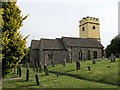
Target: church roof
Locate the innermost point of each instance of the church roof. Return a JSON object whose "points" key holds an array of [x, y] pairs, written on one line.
{"points": [[65, 42], [82, 42], [35, 44], [52, 44]]}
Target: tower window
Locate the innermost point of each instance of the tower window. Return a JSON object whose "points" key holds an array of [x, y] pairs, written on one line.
{"points": [[83, 29], [93, 27]]}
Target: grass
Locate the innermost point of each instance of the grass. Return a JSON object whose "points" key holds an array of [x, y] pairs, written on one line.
{"points": [[64, 81], [99, 72]]}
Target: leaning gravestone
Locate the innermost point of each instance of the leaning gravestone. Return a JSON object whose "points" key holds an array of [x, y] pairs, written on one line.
{"points": [[78, 65], [52, 63], [93, 61], [46, 70], [64, 63], [37, 79]]}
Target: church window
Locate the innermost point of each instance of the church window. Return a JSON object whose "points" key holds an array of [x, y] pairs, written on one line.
{"points": [[93, 27], [83, 29], [50, 56]]}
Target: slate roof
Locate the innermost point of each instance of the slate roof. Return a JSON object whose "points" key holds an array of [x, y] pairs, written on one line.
{"points": [[82, 42], [35, 44], [65, 42], [52, 44]]}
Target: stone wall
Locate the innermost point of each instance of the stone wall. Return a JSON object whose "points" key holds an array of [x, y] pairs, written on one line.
{"points": [[57, 56], [34, 56], [78, 53]]}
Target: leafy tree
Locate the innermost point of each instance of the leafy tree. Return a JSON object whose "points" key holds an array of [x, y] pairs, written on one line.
{"points": [[114, 47], [13, 44]]}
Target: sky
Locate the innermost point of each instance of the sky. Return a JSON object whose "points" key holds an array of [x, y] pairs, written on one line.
{"points": [[57, 18]]}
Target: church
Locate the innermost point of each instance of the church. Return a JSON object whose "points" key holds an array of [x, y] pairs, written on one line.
{"points": [[85, 47]]}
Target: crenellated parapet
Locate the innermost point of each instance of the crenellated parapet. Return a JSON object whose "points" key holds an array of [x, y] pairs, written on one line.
{"points": [[89, 20]]}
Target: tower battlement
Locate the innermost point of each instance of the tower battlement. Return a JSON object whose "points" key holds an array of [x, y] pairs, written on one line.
{"points": [[89, 27], [89, 20]]}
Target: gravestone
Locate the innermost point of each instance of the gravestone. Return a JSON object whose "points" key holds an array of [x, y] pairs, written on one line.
{"points": [[27, 75], [89, 68], [37, 79], [113, 58], [37, 66], [108, 66], [57, 73], [93, 61], [19, 70], [40, 67], [78, 65], [46, 70], [52, 63], [64, 63]]}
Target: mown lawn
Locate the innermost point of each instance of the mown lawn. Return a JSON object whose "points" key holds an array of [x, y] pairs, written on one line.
{"points": [[63, 81], [99, 72]]}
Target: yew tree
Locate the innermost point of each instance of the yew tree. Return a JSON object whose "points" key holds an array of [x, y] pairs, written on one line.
{"points": [[13, 43]]}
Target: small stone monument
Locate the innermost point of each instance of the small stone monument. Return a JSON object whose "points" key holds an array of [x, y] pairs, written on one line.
{"points": [[57, 73], [27, 75], [78, 65], [46, 70], [40, 67], [64, 63], [52, 63], [93, 61], [19, 72], [108, 66], [37, 79], [113, 58], [89, 68]]}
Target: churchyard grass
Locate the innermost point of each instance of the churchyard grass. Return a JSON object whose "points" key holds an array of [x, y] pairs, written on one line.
{"points": [[100, 72], [64, 81]]}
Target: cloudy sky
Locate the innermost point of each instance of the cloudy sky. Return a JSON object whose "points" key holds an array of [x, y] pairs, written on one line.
{"points": [[57, 18]]}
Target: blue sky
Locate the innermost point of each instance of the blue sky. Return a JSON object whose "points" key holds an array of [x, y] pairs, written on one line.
{"points": [[57, 18]]}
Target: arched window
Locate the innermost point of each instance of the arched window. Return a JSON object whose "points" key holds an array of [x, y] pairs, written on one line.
{"points": [[93, 27], [83, 29]]}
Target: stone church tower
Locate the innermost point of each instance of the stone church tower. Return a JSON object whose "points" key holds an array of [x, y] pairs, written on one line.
{"points": [[89, 28]]}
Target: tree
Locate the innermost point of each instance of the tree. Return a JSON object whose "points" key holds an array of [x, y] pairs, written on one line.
{"points": [[13, 44], [114, 47]]}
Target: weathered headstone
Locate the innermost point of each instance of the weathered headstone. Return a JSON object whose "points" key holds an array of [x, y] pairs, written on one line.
{"points": [[40, 67], [46, 70], [37, 79], [108, 66], [57, 73], [89, 68], [20, 72], [64, 63], [78, 65], [113, 58], [37, 66], [52, 63], [27, 75], [93, 61]]}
